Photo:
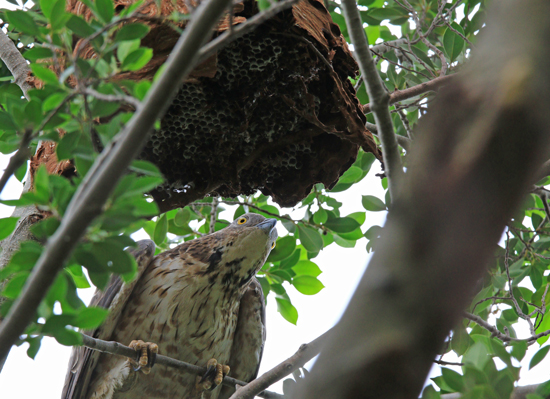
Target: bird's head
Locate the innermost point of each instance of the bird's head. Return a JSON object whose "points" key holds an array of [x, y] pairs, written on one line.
{"points": [[253, 231], [246, 244]]}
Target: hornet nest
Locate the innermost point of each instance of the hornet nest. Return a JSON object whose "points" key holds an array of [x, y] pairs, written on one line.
{"points": [[272, 111]]}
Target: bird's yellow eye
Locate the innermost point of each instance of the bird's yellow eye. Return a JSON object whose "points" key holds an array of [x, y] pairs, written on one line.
{"points": [[272, 245], [241, 221]]}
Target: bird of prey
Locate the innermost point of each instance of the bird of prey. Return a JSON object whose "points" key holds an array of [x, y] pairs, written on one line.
{"points": [[198, 302]]}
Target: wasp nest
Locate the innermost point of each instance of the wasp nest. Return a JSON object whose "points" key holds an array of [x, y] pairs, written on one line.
{"points": [[274, 111]]}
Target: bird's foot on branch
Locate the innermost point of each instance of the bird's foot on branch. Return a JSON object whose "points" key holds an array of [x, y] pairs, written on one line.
{"points": [[215, 373], [146, 355]]}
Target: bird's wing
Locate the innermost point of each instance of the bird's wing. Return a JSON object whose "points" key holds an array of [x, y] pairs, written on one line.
{"points": [[114, 297], [248, 343]]}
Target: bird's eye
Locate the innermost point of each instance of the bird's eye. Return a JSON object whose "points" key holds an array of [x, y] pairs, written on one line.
{"points": [[241, 221], [272, 245]]}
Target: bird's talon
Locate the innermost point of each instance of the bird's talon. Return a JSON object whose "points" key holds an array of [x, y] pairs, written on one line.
{"points": [[146, 354], [215, 373]]}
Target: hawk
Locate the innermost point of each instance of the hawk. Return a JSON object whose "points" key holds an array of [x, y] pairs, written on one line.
{"points": [[198, 302]]}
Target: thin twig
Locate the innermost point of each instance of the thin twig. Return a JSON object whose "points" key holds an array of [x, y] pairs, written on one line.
{"points": [[414, 91], [116, 348], [387, 46], [213, 213], [459, 34], [512, 297], [242, 29], [112, 98], [380, 100], [503, 337], [299, 359]]}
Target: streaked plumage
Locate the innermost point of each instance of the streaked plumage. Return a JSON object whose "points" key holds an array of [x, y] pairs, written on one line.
{"points": [[197, 301]]}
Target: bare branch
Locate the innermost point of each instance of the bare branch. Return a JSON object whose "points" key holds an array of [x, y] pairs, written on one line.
{"points": [[378, 96], [15, 62], [116, 348], [414, 91], [299, 359], [387, 46], [112, 98], [94, 191]]}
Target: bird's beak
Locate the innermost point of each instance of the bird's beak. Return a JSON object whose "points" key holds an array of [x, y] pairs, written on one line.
{"points": [[267, 225]]}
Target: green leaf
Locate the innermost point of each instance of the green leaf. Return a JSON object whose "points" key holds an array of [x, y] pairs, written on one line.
{"points": [[352, 175], [284, 248], [306, 268], [137, 59], [452, 42], [477, 355], [289, 225], [291, 260], [66, 146], [21, 172], [344, 243], [7, 225], [22, 22], [161, 228], [320, 216], [373, 204], [263, 5], [6, 121], [79, 26], [89, 318], [307, 285], [539, 356], [44, 74], [518, 349], [13, 287], [453, 379], [287, 310], [145, 168], [310, 238], [342, 225], [182, 217], [110, 256], [67, 337], [34, 346], [131, 32], [38, 53], [105, 10]]}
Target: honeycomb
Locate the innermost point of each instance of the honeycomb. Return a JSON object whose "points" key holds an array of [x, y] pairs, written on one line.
{"points": [[272, 117]]}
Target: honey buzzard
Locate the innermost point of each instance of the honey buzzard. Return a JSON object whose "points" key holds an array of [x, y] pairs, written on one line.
{"points": [[199, 302]]}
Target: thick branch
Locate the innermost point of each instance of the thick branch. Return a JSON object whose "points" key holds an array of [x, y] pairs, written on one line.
{"points": [[94, 191], [15, 62], [378, 96], [299, 359], [116, 348], [476, 156], [400, 95]]}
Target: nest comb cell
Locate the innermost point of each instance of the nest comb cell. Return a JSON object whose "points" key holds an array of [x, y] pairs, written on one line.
{"points": [[273, 111]]}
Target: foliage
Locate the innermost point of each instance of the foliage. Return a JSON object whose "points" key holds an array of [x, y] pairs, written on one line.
{"points": [[439, 37]]}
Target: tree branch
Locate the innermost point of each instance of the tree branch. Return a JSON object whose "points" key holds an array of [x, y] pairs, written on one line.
{"points": [[301, 357], [116, 348], [15, 62], [400, 95], [377, 94], [94, 191]]}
